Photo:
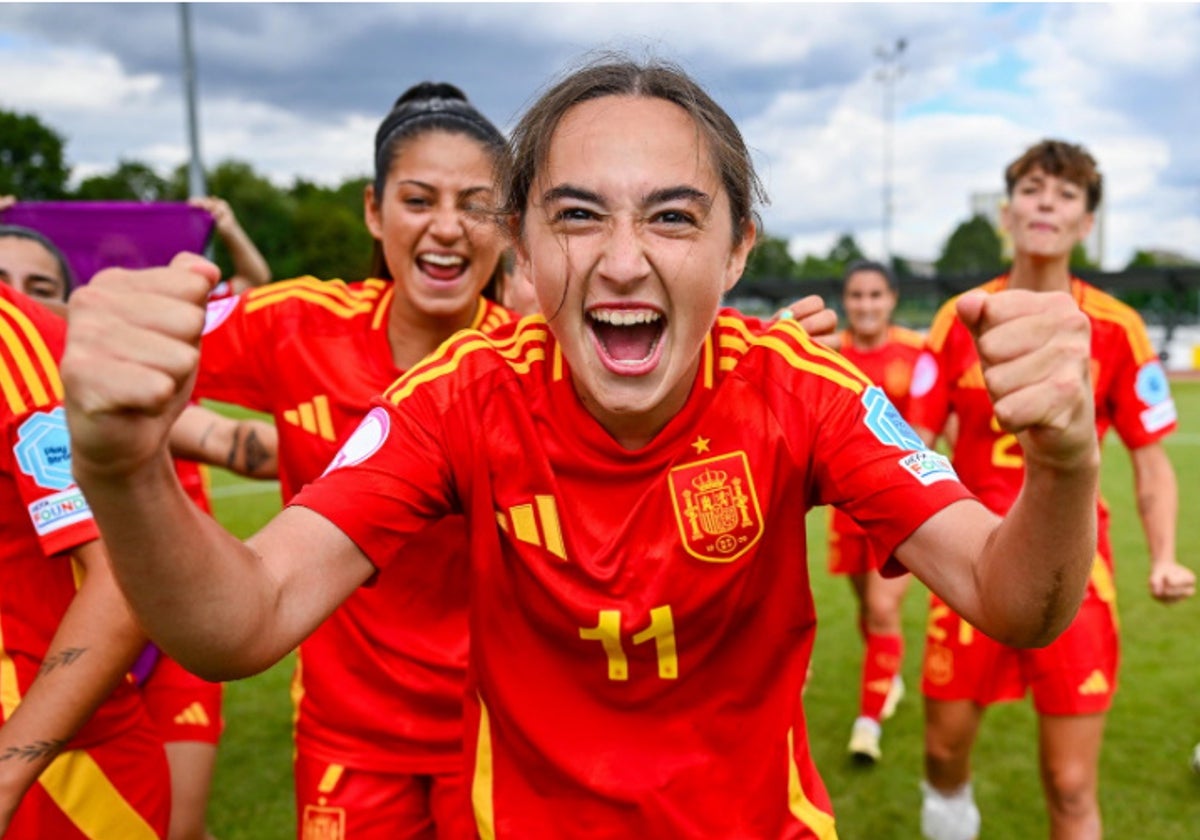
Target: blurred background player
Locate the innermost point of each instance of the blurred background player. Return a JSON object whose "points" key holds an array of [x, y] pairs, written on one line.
{"points": [[886, 354], [1053, 191]]}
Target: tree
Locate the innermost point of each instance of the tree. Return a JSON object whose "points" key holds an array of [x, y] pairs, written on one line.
{"points": [[845, 250], [130, 181], [31, 158], [769, 260], [973, 248], [1080, 258]]}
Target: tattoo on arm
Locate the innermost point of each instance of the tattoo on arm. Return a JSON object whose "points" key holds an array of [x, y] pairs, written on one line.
{"points": [[231, 458], [36, 751], [256, 453], [205, 435], [64, 657]]}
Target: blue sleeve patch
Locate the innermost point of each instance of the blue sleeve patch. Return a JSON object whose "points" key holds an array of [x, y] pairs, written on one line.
{"points": [[43, 449], [1151, 384], [885, 421]]}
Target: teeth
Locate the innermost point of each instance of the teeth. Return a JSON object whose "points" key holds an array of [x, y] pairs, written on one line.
{"points": [[444, 260], [624, 317]]}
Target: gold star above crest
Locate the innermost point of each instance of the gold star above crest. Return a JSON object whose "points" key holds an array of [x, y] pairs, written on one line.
{"points": [[701, 444]]}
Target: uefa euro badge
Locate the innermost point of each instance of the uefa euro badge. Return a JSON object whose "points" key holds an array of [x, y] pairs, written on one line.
{"points": [[43, 449], [716, 507]]}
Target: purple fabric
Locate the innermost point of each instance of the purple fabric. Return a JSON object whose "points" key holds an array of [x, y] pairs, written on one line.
{"points": [[114, 234], [145, 663]]}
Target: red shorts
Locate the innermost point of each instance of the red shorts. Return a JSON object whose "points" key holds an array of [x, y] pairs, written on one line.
{"points": [[1076, 674], [183, 706], [118, 788], [335, 802]]}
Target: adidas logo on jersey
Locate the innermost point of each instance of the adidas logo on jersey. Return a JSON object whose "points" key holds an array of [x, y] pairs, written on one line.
{"points": [[312, 417], [1094, 684], [522, 522], [193, 715]]}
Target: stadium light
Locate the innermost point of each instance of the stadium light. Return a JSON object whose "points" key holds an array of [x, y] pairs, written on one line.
{"points": [[889, 71], [196, 185]]}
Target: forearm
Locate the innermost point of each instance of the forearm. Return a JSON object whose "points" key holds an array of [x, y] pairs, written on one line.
{"points": [[95, 645], [1158, 509], [1035, 566], [247, 447], [200, 593], [248, 262]]}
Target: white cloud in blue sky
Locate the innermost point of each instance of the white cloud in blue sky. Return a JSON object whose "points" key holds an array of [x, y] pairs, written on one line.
{"points": [[297, 90]]}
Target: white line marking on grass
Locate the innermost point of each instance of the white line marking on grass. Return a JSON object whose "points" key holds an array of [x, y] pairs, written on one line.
{"points": [[250, 488]]}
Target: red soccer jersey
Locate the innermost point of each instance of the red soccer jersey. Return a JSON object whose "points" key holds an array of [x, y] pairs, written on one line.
{"points": [[889, 366], [641, 621], [1131, 391], [44, 515], [382, 678]]}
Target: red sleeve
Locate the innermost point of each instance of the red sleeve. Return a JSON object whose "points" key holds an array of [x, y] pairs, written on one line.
{"points": [[1139, 399], [235, 351], [929, 394], [390, 480]]}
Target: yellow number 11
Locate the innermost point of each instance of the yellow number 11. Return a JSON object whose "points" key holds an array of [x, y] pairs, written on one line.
{"points": [[608, 633]]}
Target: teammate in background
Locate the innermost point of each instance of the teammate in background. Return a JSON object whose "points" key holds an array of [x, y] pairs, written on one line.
{"points": [[185, 709], [79, 757], [633, 473], [1053, 191], [250, 268], [886, 354], [379, 686]]}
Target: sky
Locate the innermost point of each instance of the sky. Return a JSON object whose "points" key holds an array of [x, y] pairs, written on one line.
{"points": [[297, 90]]}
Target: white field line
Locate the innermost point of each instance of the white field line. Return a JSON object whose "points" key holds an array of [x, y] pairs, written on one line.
{"points": [[249, 488]]}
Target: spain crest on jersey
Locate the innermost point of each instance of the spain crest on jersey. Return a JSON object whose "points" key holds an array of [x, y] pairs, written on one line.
{"points": [[716, 507]]}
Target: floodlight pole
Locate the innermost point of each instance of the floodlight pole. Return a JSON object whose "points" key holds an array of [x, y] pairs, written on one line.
{"points": [[196, 185], [888, 73]]}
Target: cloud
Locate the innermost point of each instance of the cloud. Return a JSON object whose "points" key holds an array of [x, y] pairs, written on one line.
{"points": [[297, 89]]}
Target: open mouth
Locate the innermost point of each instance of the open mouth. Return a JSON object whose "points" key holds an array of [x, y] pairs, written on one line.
{"points": [[628, 340], [444, 267]]}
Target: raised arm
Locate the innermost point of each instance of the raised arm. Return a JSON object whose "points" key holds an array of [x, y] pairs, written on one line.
{"points": [[1158, 508], [1020, 580], [220, 607], [92, 649], [250, 268]]}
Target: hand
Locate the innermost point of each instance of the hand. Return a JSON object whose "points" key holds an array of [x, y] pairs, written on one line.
{"points": [[130, 361], [7, 201], [223, 219], [817, 320], [1171, 582], [1035, 350]]}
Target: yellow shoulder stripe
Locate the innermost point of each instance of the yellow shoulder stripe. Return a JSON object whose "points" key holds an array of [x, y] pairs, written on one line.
{"points": [[520, 350], [333, 295], [1105, 307], [32, 364], [825, 363]]}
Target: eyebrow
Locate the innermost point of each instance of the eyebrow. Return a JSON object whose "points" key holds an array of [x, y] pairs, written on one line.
{"points": [[413, 182], [660, 196]]}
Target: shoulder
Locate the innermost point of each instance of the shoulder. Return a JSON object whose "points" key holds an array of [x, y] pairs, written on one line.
{"points": [[905, 337], [1113, 320], [783, 351], [31, 337], [334, 298], [946, 323], [518, 349]]}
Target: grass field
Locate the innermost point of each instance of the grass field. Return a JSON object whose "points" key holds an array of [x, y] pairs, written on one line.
{"points": [[1147, 790]]}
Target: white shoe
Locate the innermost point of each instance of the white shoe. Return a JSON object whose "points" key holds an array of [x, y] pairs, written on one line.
{"points": [[953, 817], [894, 696], [864, 740], [1196, 759]]}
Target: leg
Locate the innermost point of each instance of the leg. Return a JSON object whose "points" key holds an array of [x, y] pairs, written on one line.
{"points": [[192, 764], [948, 810], [1070, 763], [882, 687]]}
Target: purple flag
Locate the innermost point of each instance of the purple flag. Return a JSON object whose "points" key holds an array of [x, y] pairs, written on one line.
{"points": [[114, 234]]}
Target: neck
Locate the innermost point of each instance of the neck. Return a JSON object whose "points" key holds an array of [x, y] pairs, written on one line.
{"points": [[869, 342], [1040, 275], [412, 337]]}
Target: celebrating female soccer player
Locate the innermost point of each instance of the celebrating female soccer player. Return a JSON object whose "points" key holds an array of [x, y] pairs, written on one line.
{"points": [[632, 472], [1053, 190], [886, 354]]}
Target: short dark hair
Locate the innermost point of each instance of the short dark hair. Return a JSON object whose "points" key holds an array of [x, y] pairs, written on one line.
{"points": [[870, 265], [64, 267], [1061, 159]]}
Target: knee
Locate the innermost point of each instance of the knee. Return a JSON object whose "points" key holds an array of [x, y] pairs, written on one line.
{"points": [[1071, 790]]}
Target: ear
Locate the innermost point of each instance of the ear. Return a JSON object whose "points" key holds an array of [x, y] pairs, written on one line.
{"points": [[740, 253], [371, 214], [1085, 227]]}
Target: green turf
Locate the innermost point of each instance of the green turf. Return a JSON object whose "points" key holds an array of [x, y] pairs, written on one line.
{"points": [[1147, 790]]}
